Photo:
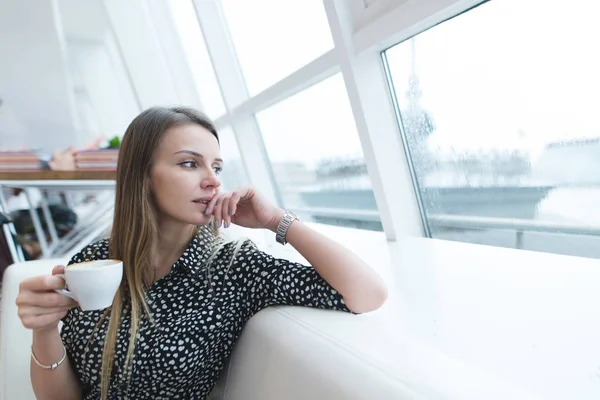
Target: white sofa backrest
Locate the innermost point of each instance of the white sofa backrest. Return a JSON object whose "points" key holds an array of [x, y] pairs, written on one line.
{"points": [[15, 339]]}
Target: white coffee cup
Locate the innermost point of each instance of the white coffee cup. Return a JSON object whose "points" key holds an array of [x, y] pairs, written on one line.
{"points": [[93, 284]]}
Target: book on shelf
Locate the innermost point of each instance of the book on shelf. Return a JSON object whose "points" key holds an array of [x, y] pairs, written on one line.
{"points": [[19, 161], [97, 160]]}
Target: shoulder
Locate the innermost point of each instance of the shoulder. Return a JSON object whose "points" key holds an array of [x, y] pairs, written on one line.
{"points": [[238, 249], [224, 250], [225, 254], [95, 251]]}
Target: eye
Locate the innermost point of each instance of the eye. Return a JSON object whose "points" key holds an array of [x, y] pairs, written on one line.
{"points": [[188, 164], [217, 169]]}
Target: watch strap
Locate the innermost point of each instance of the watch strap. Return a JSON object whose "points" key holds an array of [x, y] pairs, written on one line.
{"points": [[284, 225]]}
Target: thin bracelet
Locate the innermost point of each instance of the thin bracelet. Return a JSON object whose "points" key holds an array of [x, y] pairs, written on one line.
{"points": [[53, 366]]}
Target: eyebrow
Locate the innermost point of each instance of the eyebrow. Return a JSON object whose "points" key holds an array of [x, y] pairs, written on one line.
{"points": [[196, 154]]}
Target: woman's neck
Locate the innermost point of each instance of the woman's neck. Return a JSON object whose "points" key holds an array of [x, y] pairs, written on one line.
{"points": [[172, 241]]}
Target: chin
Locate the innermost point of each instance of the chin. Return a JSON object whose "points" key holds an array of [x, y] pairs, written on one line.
{"points": [[198, 220]]}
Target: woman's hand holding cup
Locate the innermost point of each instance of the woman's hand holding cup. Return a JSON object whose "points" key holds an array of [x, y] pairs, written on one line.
{"points": [[40, 307]]}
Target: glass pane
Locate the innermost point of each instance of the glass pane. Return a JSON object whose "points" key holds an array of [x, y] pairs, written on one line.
{"points": [[501, 124], [273, 38], [234, 173], [317, 159], [198, 57]]}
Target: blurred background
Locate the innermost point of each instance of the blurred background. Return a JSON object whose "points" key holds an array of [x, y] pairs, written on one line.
{"points": [[477, 124]]}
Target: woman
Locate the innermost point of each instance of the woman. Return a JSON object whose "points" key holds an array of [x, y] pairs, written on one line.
{"points": [[186, 293]]}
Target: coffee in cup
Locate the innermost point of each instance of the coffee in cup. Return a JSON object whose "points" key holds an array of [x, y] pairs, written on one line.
{"points": [[93, 284]]}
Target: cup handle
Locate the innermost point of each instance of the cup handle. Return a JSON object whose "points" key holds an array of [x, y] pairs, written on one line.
{"points": [[64, 292]]}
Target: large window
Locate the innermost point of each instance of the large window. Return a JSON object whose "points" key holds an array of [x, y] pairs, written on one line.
{"points": [[234, 174], [498, 107], [316, 156], [198, 57], [273, 38]]}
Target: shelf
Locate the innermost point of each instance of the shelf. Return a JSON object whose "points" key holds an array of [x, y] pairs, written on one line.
{"points": [[59, 180], [44, 175]]}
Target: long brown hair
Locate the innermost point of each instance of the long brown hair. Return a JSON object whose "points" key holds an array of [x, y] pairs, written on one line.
{"points": [[135, 231]]}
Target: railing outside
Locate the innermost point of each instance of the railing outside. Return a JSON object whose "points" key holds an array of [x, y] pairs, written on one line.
{"points": [[467, 222]]}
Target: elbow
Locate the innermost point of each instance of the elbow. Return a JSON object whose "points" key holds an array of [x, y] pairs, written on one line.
{"points": [[369, 300]]}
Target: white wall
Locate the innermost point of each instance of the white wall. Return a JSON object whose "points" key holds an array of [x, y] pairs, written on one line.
{"points": [[111, 104], [73, 70], [104, 96], [33, 82]]}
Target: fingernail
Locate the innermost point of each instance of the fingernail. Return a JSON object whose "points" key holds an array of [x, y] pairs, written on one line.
{"points": [[218, 224], [229, 211], [225, 224], [207, 211]]}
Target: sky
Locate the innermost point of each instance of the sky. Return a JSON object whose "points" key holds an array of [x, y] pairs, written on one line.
{"points": [[507, 74], [314, 124]]}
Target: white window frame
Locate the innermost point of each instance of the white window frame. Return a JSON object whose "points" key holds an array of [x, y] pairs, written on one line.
{"points": [[360, 35]]}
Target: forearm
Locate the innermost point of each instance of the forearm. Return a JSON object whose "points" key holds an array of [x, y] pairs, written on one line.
{"points": [[361, 287], [60, 383]]}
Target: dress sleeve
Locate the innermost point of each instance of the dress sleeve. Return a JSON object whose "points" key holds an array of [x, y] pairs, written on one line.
{"points": [[276, 281]]}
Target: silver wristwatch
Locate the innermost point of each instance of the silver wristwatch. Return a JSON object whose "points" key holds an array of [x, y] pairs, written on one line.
{"points": [[284, 225]]}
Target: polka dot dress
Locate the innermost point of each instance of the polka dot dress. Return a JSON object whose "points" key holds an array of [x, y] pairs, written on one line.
{"points": [[198, 314]]}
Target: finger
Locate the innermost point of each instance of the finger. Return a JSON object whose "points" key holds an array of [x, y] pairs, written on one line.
{"points": [[59, 269], [55, 282], [211, 204], [44, 283], [225, 210], [233, 203], [218, 212], [53, 299], [25, 312], [37, 283], [35, 322], [44, 300]]}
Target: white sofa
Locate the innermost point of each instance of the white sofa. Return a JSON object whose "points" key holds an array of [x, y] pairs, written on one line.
{"points": [[295, 353], [463, 321], [15, 339]]}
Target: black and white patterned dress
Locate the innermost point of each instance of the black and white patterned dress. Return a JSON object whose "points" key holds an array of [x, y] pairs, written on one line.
{"points": [[181, 354]]}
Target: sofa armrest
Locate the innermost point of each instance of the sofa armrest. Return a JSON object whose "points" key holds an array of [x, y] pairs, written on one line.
{"points": [[15, 339], [297, 353]]}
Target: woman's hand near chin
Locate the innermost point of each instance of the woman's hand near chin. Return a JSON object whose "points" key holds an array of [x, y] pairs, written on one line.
{"points": [[245, 207]]}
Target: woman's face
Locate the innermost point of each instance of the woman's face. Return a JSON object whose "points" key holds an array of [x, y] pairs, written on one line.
{"points": [[184, 175]]}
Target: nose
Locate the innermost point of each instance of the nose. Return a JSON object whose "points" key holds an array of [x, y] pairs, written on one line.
{"points": [[211, 181]]}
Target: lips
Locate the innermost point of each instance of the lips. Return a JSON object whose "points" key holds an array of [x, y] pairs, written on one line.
{"points": [[203, 200], [201, 204]]}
